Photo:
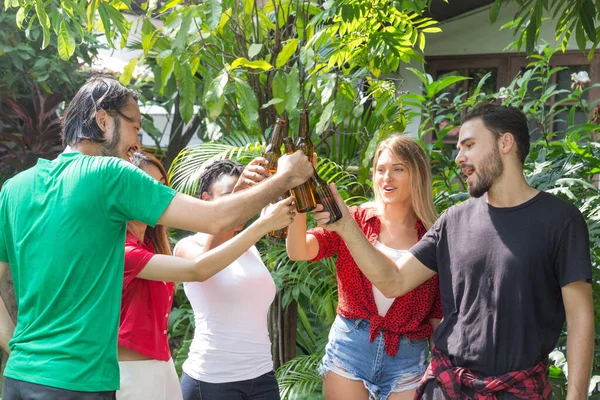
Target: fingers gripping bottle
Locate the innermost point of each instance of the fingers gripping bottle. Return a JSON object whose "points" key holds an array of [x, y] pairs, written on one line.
{"points": [[272, 154]]}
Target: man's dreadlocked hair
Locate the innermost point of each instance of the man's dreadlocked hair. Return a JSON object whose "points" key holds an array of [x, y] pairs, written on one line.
{"points": [[215, 171]]}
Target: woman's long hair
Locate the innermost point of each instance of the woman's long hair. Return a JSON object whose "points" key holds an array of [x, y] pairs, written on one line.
{"points": [[417, 163], [158, 234]]}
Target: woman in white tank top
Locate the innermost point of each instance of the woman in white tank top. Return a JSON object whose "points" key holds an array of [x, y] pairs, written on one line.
{"points": [[230, 355]]}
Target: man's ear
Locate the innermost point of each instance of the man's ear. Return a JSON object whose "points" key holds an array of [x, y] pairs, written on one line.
{"points": [[507, 143], [205, 196], [102, 120]]}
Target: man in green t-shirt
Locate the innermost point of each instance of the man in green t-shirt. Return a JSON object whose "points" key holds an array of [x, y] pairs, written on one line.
{"points": [[62, 233]]}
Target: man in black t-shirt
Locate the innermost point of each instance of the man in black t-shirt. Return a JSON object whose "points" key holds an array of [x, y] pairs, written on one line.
{"points": [[513, 264]]}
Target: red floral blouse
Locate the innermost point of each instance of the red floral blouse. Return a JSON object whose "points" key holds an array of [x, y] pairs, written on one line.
{"points": [[409, 314]]}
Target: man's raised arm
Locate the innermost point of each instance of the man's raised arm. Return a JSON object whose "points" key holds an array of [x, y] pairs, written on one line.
{"points": [[189, 213], [393, 280]]}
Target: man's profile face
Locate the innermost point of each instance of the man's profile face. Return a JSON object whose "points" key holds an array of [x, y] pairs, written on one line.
{"points": [[122, 132], [478, 157]]}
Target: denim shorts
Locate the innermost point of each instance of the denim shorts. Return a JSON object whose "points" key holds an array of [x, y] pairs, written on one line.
{"points": [[350, 354]]}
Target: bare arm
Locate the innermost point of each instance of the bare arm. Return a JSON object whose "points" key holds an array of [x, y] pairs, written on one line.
{"points": [[577, 299], [7, 326], [203, 266], [186, 212], [393, 280], [299, 244], [434, 322]]}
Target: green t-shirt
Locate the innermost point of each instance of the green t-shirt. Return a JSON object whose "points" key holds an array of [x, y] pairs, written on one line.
{"points": [[62, 230]]}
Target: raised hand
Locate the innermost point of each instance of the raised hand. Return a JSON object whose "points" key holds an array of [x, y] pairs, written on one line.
{"points": [[278, 215], [296, 167], [254, 173], [322, 217]]}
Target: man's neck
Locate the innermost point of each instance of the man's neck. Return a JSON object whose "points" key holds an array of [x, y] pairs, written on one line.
{"points": [[83, 147], [510, 190]]}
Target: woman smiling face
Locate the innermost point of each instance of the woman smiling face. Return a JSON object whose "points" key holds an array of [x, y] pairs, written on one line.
{"points": [[392, 179]]}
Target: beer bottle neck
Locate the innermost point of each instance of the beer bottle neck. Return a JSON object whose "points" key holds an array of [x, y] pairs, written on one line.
{"points": [[316, 177], [289, 146], [303, 127], [277, 136]]}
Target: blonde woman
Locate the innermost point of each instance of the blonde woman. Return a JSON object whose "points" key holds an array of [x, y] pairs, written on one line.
{"points": [[377, 346]]}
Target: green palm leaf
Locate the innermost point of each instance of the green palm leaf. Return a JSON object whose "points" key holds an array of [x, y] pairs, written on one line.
{"points": [[299, 379]]}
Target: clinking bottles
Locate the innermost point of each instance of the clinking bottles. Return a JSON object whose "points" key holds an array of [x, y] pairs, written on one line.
{"points": [[303, 142], [303, 195], [323, 196], [305, 200], [273, 149], [272, 154]]}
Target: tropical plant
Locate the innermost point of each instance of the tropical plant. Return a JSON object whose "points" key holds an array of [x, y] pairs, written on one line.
{"points": [[581, 17], [22, 63], [31, 131]]}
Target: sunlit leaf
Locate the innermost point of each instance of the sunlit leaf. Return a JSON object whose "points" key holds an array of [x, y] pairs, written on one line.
{"points": [[244, 62], [66, 42], [127, 74], [288, 50]]}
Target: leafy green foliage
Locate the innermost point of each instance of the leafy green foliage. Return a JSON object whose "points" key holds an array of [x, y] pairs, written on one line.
{"points": [[32, 130], [581, 17], [22, 63]]}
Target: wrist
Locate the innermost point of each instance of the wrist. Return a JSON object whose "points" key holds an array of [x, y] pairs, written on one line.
{"points": [[259, 227], [346, 226]]}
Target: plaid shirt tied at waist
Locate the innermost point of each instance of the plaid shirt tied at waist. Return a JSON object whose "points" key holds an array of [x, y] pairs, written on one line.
{"points": [[528, 384]]}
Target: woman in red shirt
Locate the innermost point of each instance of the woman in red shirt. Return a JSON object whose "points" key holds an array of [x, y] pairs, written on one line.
{"points": [[378, 347], [147, 370]]}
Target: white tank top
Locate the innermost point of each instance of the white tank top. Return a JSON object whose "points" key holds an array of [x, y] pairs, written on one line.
{"points": [[384, 303], [231, 340]]}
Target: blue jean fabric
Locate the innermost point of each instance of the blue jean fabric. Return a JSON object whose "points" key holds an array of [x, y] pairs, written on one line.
{"points": [[350, 354], [262, 388], [13, 389]]}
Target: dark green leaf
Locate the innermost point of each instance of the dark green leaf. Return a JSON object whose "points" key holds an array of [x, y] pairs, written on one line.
{"points": [[278, 87], [494, 10], [215, 99], [187, 91], [215, 11], [181, 37], [532, 31], [292, 90], [587, 13], [247, 103]]}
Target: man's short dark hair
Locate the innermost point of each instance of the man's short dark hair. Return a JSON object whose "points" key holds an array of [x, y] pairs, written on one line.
{"points": [[502, 119], [99, 92], [213, 172]]}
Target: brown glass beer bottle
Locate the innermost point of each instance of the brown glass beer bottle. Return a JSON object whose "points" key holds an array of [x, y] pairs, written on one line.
{"points": [[305, 200], [272, 154], [303, 195], [324, 196]]}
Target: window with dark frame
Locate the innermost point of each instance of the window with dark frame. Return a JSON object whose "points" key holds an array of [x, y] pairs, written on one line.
{"points": [[503, 68]]}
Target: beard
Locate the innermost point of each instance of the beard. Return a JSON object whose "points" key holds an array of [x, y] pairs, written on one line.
{"points": [[487, 173], [111, 148]]}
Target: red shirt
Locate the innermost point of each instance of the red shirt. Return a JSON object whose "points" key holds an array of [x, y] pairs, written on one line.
{"points": [[145, 305], [409, 314]]}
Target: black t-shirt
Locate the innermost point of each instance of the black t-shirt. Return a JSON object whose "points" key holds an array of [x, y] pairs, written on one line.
{"points": [[501, 271]]}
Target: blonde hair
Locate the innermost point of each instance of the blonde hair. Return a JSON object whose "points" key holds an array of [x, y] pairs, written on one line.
{"points": [[417, 164]]}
